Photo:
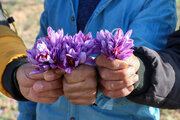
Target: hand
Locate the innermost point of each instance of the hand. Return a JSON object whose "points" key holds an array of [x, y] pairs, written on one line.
{"points": [[117, 76], [80, 85], [41, 88]]}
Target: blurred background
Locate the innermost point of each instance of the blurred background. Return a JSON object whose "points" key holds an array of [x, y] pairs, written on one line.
{"points": [[27, 14]]}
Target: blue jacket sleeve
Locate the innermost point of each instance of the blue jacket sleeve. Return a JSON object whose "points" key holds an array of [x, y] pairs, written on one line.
{"points": [[156, 20]]}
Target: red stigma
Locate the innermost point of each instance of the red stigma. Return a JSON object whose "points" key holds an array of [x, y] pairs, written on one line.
{"points": [[47, 37], [86, 36]]}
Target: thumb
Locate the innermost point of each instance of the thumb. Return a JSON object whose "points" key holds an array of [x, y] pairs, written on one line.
{"points": [[52, 75]]}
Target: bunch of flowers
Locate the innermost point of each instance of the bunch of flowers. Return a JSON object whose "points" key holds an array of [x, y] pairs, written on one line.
{"points": [[67, 52], [117, 46], [59, 51]]}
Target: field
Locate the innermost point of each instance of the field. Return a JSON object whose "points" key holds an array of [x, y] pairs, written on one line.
{"points": [[27, 14]]}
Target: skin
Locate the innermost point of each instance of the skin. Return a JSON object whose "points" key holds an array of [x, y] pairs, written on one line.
{"points": [[80, 86], [117, 77], [41, 88]]}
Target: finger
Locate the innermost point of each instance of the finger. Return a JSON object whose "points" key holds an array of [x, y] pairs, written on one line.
{"points": [[133, 61], [88, 84], [83, 101], [34, 97], [116, 64], [24, 91], [23, 77], [108, 74], [118, 93], [80, 74], [115, 85], [81, 94], [27, 68], [51, 75], [41, 86], [52, 93], [26, 82]]}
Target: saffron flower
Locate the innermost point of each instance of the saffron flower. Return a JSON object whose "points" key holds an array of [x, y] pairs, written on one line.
{"points": [[117, 46], [43, 54], [76, 50], [63, 52]]}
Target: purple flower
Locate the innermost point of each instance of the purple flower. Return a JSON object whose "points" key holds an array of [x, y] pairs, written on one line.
{"points": [[1, 111], [16, 115], [76, 50], [64, 52], [43, 54], [117, 46]]}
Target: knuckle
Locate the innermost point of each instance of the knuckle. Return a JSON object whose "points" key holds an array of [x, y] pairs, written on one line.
{"points": [[66, 89], [108, 86], [67, 76], [107, 93], [89, 70], [50, 85], [124, 74], [113, 64], [92, 93], [103, 73], [128, 82], [124, 92], [92, 84], [136, 78], [92, 101]]}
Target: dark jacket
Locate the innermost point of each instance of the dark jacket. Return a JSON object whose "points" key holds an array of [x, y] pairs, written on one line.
{"points": [[159, 74]]}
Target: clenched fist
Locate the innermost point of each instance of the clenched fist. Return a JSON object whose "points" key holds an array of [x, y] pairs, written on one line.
{"points": [[80, 86], [117, 77], [42, 88]]}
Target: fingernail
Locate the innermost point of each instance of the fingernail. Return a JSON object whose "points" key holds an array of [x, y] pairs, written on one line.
{"points": [[38, 86], [129, 89]]}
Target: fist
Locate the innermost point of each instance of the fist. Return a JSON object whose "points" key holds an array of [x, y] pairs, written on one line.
{"points": [[117, 76], [80, 85], [42, 88]]}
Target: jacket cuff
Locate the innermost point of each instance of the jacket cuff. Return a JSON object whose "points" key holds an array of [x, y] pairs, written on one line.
{"points": [[144, 73], [9, 80], [12, 47]]}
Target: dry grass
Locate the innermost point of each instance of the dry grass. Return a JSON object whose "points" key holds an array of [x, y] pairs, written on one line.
{"points": [[27, 14]]}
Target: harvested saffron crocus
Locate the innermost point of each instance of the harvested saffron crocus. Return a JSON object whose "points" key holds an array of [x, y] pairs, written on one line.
{"points": [[77, 50], [117, 46], [63, 52], [43, 54]]}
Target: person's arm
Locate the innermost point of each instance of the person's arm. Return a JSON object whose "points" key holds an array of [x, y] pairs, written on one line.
{"points": [[12, 54], [160, 73], [151, 27]]}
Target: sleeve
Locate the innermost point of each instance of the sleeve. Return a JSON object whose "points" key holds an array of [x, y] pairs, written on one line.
{"points": [[9, 81], [152, 25], [12, 57], [12, 47], [162, 70]]}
